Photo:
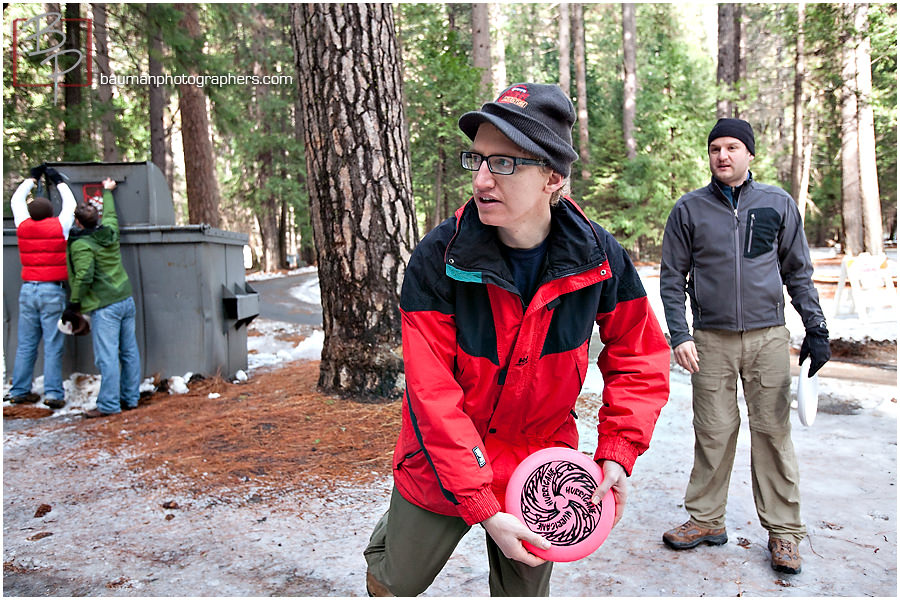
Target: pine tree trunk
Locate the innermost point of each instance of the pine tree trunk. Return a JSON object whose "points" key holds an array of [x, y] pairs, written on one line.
{"points": [[285, 237], [799, 102], [170, 159], [308, 252], [851, 195], [156, 93], [565, 49], [73, 96], [873, 231], [481, 46], [729, 67], [741, 62], [104, 90], [497, 19], [584, 146], [267, 214], [629, 104], [438, 190], [360, 189], [199, 165], [267, 211], [802, 197]]}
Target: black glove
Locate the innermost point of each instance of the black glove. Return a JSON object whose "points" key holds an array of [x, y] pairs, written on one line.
{"points": [[71, 313], [55, 176], [38, 171], [816, 347]]}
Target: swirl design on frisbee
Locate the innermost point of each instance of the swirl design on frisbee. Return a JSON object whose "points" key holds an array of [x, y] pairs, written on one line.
{"points": [[556, 503]]}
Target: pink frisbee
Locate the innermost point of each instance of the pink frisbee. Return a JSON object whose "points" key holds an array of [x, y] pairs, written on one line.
{"points": [[550, 491]]}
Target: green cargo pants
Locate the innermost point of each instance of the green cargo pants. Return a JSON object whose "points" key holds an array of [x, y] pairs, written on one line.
{"points": [[760, 359], [410, 546]]}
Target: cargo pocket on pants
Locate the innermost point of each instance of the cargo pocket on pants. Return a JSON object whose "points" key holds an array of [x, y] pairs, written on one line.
{"points": [[770, 409], [711, 409]]}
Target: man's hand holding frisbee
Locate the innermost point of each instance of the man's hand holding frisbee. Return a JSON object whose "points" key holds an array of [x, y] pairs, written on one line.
{"points": [[508, 533], [614, 477]]}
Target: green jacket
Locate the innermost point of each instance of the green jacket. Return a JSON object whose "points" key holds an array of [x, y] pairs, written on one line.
{"points": [[97, 277]]}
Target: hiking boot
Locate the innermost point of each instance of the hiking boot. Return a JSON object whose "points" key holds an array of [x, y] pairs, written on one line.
{"points": [[690, 535], [29, 398], [54, 403], [95, 414], [785, 555], [375, 588]]}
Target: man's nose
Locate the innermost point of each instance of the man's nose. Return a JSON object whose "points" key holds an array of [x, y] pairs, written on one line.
{"points": [[483, 176]]}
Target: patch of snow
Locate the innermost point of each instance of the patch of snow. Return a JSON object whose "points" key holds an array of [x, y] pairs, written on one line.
{"points": [[177, 385], [309, 292], [268, 350], [260, 276], [311, 347]]}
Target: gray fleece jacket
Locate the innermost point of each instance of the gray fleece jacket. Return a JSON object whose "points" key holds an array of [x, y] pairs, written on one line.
{"points": [[734, 262]]}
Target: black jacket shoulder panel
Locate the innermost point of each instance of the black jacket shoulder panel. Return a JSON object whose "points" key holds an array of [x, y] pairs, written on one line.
{"points": [[425, 284]]}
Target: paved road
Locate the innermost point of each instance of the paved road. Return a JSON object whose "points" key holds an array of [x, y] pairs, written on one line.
{"points": [[277, 304]]}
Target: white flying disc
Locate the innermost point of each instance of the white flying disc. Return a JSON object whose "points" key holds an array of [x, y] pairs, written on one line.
{"points": [[66, 328], [807, 394], [81, 325]]}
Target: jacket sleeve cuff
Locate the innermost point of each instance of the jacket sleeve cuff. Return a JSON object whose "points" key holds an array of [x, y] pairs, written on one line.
{"points": [[477, 508], [680, 338], [619, 450]]}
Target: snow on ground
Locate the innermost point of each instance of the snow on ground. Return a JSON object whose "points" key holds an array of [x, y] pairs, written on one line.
{"points": [[309, 293], [81, 392], [301, 545], [269, 351]]}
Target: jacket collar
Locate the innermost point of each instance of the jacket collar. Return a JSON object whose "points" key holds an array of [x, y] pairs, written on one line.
{"points": [[715, 188], [473, 253]]}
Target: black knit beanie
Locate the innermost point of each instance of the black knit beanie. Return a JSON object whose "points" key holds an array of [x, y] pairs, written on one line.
{"points": [[537, 117], [736, 128]]}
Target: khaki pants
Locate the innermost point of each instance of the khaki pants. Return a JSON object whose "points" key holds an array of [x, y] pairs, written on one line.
{"points": [[410, 546], [760, 358]]}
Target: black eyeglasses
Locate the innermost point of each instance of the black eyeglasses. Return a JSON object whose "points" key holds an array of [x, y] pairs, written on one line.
{"points": [[498, 164]]}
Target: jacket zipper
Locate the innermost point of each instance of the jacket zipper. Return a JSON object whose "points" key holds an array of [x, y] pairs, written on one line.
{"points": [[750, 234], [737, 268]]}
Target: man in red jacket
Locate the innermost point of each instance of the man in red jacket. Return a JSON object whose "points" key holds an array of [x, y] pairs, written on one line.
{"points": [[42, 298], [498, 305]]}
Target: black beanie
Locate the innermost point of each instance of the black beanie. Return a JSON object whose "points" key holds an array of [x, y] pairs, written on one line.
{"points": [[736, 128], [39, 208], [537, 117]]}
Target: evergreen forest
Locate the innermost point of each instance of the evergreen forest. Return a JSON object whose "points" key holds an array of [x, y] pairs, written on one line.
{"points": [[817, 81]]}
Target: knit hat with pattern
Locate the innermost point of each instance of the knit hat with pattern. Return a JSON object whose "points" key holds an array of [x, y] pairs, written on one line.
{"points": [[537, 117]]}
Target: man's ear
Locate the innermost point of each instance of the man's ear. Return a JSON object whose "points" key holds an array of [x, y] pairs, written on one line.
{"points": [[554, 182]]}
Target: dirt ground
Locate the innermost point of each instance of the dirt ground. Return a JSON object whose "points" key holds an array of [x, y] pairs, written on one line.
{"points": [[271, 488]]}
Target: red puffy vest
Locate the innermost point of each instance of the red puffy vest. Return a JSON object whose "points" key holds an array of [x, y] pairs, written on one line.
{"points": [[42, 250]]}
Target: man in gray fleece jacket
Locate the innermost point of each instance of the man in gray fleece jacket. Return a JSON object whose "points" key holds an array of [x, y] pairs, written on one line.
{"points": [[732, 247]]}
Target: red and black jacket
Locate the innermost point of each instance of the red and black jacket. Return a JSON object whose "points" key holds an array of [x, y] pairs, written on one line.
{"points": [[489, 381]]}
